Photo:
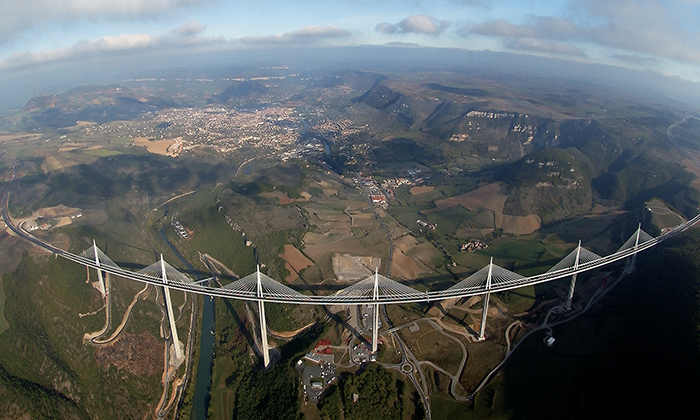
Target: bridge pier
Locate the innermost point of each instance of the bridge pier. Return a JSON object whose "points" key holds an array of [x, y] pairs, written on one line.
{"points": [[487, 297], [263, 323], [636, 245], [171, 317], [375, 315], [99, 272], [570, 296]]}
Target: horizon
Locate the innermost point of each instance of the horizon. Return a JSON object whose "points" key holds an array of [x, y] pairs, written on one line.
{"points": [[60, 77], [47, 43]]}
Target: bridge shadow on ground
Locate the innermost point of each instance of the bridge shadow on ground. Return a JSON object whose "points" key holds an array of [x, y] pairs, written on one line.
{"points": [[242, 327], [455, 319]]}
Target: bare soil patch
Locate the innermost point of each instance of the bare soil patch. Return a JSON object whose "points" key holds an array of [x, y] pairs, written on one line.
{"points": [[159, 147], [317, 250], [521, 225], [283, 198], [348, 267], [217, 267], [420, 190], [63, 221], [295, 261], [57, 211], [290, 334], [23, 137], [51, 164], [404, 266], [140, 354]]}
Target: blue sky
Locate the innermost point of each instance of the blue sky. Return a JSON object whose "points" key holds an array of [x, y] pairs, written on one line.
{"points": [[663, 36]]}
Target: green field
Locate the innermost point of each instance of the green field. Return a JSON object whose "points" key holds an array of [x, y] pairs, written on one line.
{"points": [[102, 152]]}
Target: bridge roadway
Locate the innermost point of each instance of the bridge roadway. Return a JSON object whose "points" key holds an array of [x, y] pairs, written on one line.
{"points": [[300, 299]]}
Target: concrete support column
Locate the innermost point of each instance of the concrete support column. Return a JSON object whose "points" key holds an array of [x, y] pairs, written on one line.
{"points": [[636, 245], [263, 323], [375, 315], [486, 302], [567, 306], [99, 272], [171, 316]]}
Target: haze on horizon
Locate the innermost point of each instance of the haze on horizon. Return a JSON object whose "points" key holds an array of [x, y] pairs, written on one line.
{"points": [[44, 43]]}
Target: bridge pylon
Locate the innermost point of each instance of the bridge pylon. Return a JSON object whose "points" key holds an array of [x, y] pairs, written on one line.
{"points": [[171, 315], [375, 315], [263, 322], [99, 272], [572, 285], [633, 261], [487, 297]]}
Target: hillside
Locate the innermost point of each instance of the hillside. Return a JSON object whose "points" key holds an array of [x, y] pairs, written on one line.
{"points": [[98, 104], [552, 183], [46, 371]]}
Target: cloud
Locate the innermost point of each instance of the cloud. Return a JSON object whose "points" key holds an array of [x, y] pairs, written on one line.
{"points": [[386, 28], [307, 34], [636, 59], [109, 46], [549, 47], [189, 29], [537, 27], [420, 24], [81, 49], [630, 27], [18, 16], [402, 44]]}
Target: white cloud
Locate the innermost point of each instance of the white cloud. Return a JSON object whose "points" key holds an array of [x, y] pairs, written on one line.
{"points": [[645, 27], [189, 29], [308, 34], [81, 49], [549, 47], [20, 15], [421, 24], [636, 59], [386, 28], [107, 47]]}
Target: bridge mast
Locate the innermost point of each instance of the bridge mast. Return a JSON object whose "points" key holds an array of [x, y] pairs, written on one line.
{"points": [[636, 245], [171, 316], [486, 301], [375, 317], [263, 322], [573, 278], [99, 272]]}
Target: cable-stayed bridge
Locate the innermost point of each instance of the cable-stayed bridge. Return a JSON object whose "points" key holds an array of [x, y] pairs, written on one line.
{"points": [[374, 290]]}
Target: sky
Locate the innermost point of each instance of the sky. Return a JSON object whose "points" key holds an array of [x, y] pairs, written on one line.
{"points": [[663, 36]]}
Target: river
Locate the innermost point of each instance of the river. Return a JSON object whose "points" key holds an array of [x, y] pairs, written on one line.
{"points": [[206, 354]]}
